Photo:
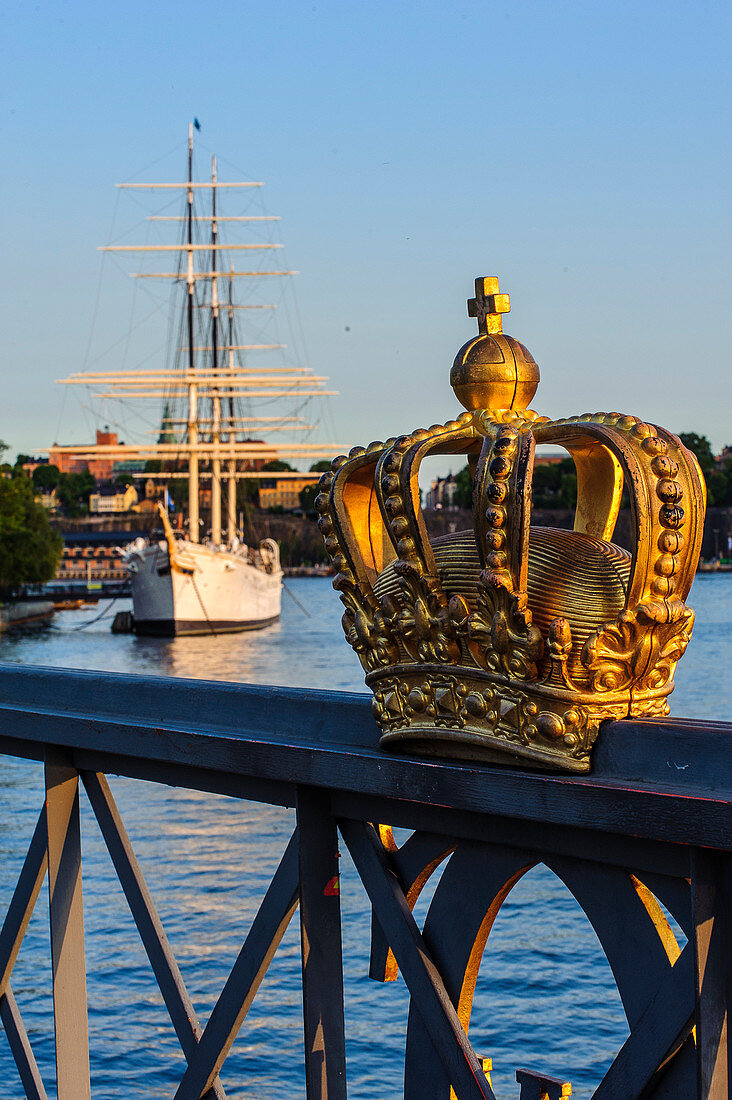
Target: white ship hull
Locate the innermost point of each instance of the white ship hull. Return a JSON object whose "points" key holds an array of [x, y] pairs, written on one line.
{"points": [[206, 592]]}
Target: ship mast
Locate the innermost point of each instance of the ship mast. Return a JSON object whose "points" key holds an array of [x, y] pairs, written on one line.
{"points": [[192, 386], [231, 464], [215, 398]]}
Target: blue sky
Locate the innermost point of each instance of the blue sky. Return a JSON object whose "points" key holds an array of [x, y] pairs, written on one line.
{"points": [[578, 150]]}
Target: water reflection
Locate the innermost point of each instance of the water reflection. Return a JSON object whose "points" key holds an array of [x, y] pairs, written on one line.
{"points": [[301, 650]]}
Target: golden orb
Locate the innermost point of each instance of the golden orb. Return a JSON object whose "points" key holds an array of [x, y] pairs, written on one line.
{"points": [[494, 371]]}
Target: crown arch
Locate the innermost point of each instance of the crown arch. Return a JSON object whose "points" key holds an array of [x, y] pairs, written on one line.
{"points": [[502, 500], [608, 449], [361, 530], [604, 460], [397, 484]]}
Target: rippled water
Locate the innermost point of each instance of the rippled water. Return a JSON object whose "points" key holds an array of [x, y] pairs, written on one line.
{"points": [[545, 996]]}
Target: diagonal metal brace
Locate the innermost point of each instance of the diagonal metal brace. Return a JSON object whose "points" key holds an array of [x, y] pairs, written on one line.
{"points": [[462, 1066], [154, 940], [20, 1045], [13, 930], [23, 901], [265, 934], [663, 1027]]}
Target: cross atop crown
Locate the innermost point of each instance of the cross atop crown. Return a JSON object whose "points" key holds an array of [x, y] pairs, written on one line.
{"points": [[488, 304]]}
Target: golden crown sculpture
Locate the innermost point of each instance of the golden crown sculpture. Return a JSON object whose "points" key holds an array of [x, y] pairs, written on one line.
{"points": [[507, 642]]}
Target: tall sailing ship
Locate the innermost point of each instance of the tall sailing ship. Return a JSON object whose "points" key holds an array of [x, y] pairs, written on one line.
{"points": [[211, 394]]}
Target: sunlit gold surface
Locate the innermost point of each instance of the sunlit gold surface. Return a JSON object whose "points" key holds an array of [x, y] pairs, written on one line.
{"points": [[493, 371], [506, 643], [580, 579]]}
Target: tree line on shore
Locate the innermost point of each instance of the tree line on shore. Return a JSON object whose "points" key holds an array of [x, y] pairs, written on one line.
{"points": [[30, 550], [555, 485]]}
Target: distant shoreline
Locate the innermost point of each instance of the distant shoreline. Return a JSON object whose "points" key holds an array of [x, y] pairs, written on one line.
{"points": [[302, 549]]}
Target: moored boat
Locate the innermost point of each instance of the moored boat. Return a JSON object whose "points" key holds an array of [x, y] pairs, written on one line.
{"points": [[181, 587]]}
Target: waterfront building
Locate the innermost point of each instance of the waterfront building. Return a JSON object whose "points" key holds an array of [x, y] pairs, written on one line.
{"points": [[30, 466], [284, 492], [111, 498], [77, 460], [441, 493], [49, 500], [149, 493]]}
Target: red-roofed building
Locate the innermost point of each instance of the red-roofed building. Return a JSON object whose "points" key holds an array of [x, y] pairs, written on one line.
{"points": [[100, 468]]}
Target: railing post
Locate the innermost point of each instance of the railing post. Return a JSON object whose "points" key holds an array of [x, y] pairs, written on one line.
{"points": [[538, 1086], [322, 965], [712, 898], [67, 927]]}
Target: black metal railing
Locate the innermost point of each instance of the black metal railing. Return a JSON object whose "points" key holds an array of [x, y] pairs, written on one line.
{"points": [[649, 832]]}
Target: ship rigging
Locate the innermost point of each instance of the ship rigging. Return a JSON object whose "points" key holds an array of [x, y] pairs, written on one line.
{"points": [[215, 397]]}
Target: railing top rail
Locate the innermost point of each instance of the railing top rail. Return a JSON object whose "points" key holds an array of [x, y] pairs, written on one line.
{"points": [[666, 780]]}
